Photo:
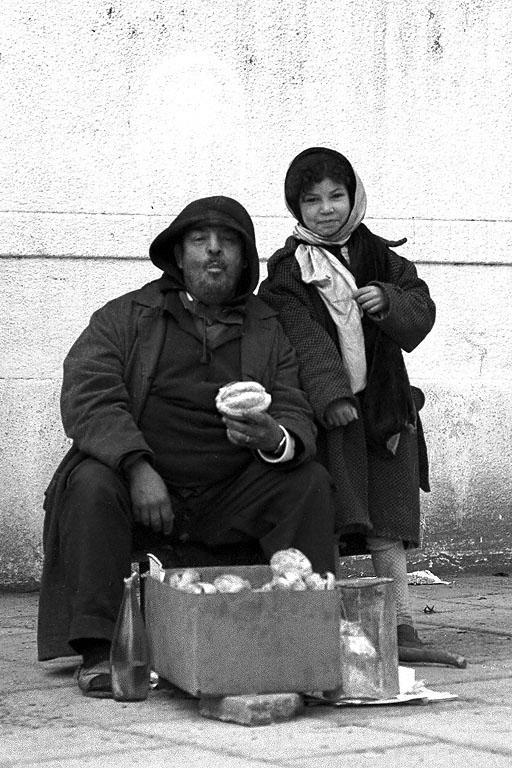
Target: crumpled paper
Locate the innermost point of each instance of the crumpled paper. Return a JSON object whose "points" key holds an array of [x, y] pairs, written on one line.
{"points": [[424, 577], [411, 691]]}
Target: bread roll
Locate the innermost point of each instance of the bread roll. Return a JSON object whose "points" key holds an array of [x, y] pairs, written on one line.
{"points": [[242, 398], [290, 560], [230, 582]]}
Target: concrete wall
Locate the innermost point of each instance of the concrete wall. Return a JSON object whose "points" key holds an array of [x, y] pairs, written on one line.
{"points": [[116, 114]]}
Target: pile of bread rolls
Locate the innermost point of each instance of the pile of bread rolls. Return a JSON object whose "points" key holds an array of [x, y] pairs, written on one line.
{"points": [[291, 569]]}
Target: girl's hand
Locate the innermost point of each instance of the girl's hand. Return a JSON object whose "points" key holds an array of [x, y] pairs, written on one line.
{"points": [[372, 299], [340, 412]]}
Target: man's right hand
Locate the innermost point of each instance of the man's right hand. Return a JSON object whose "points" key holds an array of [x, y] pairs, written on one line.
{"points": [[151, 503]]}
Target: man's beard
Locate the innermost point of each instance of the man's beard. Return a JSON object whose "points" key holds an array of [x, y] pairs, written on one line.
{"points": [[210, 291]]}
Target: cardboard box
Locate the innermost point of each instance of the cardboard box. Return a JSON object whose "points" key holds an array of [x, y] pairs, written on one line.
{"points": [[247, 642]]}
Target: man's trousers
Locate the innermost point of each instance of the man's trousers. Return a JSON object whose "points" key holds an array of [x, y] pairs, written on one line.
{"points": [[97, 534]]}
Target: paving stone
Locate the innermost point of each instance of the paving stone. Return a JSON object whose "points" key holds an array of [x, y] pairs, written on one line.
{"points": [[45, 722], [261, 709], [425, 755], [319, 732]]}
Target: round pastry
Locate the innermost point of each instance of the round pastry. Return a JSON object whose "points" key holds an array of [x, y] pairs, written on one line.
{"points": [[315, 581], [193, 589], [294, 581], [290, 560], [185, 578], [230, 582], [242, 398]]}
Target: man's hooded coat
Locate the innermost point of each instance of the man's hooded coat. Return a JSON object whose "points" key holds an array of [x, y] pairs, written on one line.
{"points": [[108, 375]]}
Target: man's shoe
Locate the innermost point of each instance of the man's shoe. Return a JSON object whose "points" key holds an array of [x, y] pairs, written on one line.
{"points": [[95, 681]]}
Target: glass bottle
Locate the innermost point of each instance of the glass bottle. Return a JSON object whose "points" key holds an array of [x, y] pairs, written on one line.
{"points": [[129, 654]]}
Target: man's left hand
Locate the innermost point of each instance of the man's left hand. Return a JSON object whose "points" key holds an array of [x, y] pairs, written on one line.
{"points": [[259, 432]]}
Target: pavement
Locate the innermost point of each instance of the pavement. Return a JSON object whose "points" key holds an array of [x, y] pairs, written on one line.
{"points": [[45, 721]]}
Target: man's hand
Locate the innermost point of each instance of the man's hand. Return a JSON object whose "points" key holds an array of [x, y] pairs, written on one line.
{"points": [[340, 412], [259, 432], [151, 502], [372, 299]]}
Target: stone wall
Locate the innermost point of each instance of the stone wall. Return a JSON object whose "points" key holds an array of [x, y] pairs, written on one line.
{"points": [[115, 115]]}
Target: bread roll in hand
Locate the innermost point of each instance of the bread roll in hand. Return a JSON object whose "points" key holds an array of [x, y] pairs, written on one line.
{"points": [[242, 398]]}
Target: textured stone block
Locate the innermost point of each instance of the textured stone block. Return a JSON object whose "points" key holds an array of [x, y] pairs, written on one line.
{"points": [[260, 709]]}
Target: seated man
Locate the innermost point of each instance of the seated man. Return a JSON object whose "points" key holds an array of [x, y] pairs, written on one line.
{"points": [[152, 457]]}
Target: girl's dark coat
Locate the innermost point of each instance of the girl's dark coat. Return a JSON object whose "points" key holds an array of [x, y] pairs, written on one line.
{"points": [[377, 493]]}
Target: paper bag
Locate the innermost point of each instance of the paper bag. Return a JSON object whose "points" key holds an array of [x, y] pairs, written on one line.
{"points": [[368, 641]]}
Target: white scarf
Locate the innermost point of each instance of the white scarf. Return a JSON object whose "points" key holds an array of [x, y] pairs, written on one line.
{"points": [[336, 286]]}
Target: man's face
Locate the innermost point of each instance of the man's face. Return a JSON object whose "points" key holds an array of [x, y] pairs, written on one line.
{"points": [[211, 258]]}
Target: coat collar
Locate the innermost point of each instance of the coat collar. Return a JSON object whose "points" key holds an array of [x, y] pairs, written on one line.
{"points": [[150, 295]]}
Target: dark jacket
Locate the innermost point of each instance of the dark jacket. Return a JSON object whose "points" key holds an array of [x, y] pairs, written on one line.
{"points": [[107, 378]]}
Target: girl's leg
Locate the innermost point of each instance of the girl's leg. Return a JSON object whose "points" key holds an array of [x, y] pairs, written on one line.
{"points": [[390, 561]]}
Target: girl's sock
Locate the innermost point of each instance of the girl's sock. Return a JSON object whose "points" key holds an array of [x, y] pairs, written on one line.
{"points": [[390, 561]]}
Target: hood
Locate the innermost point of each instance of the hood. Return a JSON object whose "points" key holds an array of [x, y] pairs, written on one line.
{"points": [[302, 164], [219, 210]]}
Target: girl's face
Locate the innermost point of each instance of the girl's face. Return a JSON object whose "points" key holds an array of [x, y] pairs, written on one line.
{"points": [[325, 207]]}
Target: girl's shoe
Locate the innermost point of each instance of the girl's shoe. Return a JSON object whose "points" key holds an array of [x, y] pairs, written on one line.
{"points": [[412, 650], [408, 637]]}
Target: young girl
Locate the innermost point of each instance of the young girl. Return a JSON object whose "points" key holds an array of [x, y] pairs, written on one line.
{"points": [[349, 305]]}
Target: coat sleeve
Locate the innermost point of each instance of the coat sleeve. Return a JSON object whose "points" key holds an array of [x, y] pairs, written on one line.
{"points": [[95, 402], [411, 312], [322, 373], [289, 404]]}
